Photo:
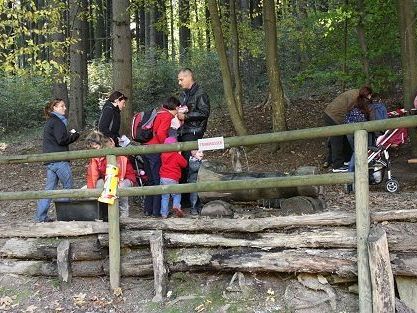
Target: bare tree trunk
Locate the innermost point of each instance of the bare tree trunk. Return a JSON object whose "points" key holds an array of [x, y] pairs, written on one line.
{"points": [[171, 26], [224, 65], [275, 86], [152, 35], [59, 86], [362, 40], [407, 19], [122, 58], [109, 20], [208, 41], [99, 30], [235, 58], [184, 31], [77, 72]]}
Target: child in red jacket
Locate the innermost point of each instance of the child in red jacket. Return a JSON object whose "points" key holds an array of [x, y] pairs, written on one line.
{"points": [[172, 164], [96, 170]]}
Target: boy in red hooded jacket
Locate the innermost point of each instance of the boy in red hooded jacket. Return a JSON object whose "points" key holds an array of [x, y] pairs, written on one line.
{"points": [[172, 164]]}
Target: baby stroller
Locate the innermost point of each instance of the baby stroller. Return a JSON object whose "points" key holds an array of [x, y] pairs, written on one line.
{"points": [[379, 161], [141, 177]]}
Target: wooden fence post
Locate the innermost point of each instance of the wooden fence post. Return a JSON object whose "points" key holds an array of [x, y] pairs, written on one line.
{"points": [[160, 272], [114, 237], [362, 219]]}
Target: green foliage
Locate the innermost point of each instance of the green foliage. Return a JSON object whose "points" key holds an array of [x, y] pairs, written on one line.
{"points": [[21, 102], [26, 32], [312, 52]]}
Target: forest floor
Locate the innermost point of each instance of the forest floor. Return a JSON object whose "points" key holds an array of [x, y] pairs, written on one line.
{"points": [[195, 292]]}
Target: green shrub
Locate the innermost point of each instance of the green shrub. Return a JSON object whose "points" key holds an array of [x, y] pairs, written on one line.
{"points": [[22, 100]]}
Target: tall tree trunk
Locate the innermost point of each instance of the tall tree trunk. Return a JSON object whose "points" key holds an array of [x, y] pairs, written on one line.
{"points": [[184, 29], [109, 21], [271, 53], [171, 26], [152, 34], [362, 39], [59, 86], [99, 30], [142, 28], [207, 16], [122, 58], [77, 72], [137, 32], [407, 18], [234, 36], [224, 65]]}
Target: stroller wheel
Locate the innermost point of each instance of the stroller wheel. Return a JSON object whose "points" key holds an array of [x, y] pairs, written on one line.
{"points": [[392, 185]]}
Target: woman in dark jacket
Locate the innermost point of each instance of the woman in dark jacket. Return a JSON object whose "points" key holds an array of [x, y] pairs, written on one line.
{"points": [[109, 123], [56, 138]]}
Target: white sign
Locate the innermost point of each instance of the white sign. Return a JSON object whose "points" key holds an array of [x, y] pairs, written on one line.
{"points": [[215, 143]]}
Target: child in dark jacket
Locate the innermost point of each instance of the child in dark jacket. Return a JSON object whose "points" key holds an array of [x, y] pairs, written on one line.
{"points": [[193, 167], [172, 164]]}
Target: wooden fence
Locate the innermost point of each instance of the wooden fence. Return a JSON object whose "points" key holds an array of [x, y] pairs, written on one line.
{"points": [[360, 178]]}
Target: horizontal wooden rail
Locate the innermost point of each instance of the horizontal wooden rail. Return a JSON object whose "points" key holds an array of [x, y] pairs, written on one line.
{"points": [[273, 182], [300, 134]]}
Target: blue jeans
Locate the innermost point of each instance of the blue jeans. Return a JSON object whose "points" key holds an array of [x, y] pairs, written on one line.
{"points": [[56, 171], [152, 165], [176, 197]]}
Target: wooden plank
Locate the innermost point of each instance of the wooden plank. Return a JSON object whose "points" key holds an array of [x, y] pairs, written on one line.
{"points": [[407, 290], [383, 293], [412, 161], [159, 270]]}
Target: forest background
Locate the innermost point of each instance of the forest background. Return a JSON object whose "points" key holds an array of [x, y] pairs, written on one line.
{"points": [[245, 53]]}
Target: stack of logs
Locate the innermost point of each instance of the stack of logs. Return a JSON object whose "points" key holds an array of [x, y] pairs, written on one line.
{"points": [[316, 243]]}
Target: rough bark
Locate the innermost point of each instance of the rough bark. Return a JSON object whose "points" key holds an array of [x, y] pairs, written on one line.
{"points": [[407, 18], [77, 64], [224, 66], [234, 37], [99, 29], [184, 30], [407, 290], [63, 261], [159, 271], [83, 248], [275, 86], [122, 59], [383, 293]]}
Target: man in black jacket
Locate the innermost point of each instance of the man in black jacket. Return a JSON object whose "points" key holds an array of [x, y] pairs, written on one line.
{"points": [[195, 119], [198, 104]]}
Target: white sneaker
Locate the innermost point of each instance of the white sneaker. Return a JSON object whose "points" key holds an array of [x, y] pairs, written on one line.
{"points": [[340, 169]]}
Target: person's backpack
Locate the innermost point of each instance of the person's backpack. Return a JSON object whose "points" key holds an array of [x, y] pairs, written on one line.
{"points": [[142, 125]]}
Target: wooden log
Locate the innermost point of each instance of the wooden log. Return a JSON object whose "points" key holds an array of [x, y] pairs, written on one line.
{"points": [[407, 290], [207, 173], [137, 262], [73, 229], [412, 161], [83, 248], [261, 224], [400, 238], [30, 268], [159, 270], [63, 261], [383, 293], [55, 229], [362, 219], [401, 307]]}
